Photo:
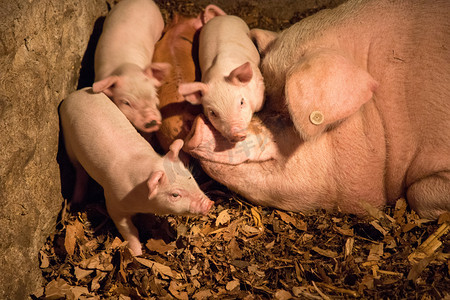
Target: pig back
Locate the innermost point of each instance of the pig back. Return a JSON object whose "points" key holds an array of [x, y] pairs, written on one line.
{"points": [[98, 136], [176, 47], [225, 43], [129, 34]]}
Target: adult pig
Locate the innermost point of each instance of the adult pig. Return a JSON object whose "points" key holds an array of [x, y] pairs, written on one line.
{"points": [[232, 87], [123, 61], [100, 141], [176, 47], [367, 91]]}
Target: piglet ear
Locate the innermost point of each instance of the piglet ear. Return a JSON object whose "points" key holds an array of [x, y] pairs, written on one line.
{"points": [[158, 71], [154, 181], [262, 39], [212, 11], [193, 91], [105, 85], [197, 23], [241, 75], [174, 150], [325, 87]]}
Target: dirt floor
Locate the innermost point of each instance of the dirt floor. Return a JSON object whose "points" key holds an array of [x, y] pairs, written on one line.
{"points": [[241, 251]]}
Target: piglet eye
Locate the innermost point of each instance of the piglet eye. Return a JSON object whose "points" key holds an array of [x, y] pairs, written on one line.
{"points": [[212, 113], [242, 101], [175, 195], [125, 102]]}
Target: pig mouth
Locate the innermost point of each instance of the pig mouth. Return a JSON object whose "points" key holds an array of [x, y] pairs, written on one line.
{"points": [[205, 143]]}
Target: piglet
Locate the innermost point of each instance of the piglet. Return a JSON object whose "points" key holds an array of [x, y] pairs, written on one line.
{"points": [[176, 47], [99, 140], [232, 86], [123, 61]]}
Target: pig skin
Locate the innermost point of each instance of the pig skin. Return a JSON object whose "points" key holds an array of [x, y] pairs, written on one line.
{"points": [[99, 140], [376, 73], [232, 87], [177, 47], [123, 61]]}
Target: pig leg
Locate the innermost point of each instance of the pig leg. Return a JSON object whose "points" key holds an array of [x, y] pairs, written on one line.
{"points": [[430, 196], [126, 228]]}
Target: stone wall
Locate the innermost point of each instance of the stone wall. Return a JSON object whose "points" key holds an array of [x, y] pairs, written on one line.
{"points": [[42, 43]]}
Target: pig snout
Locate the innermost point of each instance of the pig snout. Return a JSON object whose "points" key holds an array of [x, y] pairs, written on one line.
{"points": [[237, 134], [153, 124], [204, 138], [201, 205], [149, 122]]}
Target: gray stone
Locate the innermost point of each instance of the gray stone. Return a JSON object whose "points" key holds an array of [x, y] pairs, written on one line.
{"points": [[42, 43]]}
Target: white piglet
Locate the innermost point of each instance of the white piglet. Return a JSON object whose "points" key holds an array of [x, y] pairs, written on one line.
{"points": [[232, 86], [123, 61], [99, 140]]}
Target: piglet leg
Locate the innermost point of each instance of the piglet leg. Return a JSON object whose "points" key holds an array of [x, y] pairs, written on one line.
{"points": [[126, 228], [430, 196]]}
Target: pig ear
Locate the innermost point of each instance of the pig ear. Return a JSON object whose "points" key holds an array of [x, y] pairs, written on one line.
{"points": [[325, 87], [262, 39], [197, 23], [154, 181], [193, 91], [211, 11], [241, 75], [105, 85], [174, 150], [159, 71]]}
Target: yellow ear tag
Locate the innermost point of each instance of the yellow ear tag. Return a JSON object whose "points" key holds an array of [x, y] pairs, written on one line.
{"points": [[316, 117]]}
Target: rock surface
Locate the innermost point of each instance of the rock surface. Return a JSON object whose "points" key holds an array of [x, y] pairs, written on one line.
{"points": [[42, 43]]}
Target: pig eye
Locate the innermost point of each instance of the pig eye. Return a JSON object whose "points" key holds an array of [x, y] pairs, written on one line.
{"points": [[212, 113], [242, 101], [175, 195], [125, 102]]}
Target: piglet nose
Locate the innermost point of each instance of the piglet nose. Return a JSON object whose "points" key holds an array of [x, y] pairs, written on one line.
{"points": [[207, 204], [238, 135], [152, 123]]}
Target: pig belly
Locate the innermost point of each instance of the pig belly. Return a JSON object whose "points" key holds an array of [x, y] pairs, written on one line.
{"points": [[412, 70]]}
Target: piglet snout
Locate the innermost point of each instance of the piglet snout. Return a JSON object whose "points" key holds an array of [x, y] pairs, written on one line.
{"points": [[202, 205], [237, 134], [152, 124]]}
